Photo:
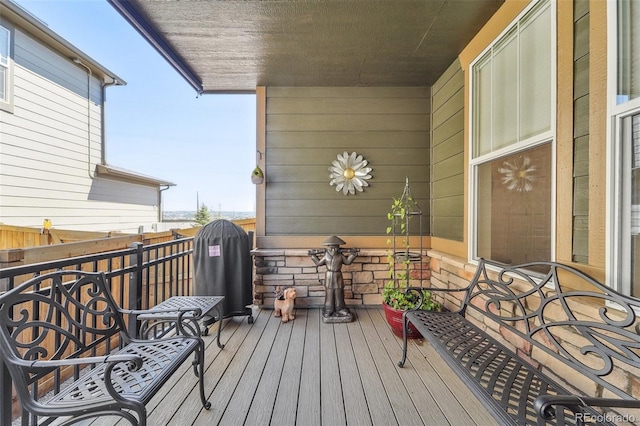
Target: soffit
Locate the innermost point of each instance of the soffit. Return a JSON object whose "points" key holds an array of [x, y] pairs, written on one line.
{"points": [[239, 45]]}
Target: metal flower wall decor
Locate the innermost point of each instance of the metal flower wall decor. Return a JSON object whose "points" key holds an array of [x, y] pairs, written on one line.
{"points": [[349, 173], [518, 175]]}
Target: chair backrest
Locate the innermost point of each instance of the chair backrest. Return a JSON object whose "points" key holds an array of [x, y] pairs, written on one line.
{"points": [[56, 316], [567, 315]]}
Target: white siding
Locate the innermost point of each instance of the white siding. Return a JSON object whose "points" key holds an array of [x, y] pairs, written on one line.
{"points": [[49, 148]]}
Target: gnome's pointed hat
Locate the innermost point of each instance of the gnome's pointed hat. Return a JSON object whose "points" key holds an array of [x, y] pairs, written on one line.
{"points": [[333, 241]]}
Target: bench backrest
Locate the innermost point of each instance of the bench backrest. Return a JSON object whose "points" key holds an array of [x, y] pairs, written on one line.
{"points": [[56, 316], [563, 318]]}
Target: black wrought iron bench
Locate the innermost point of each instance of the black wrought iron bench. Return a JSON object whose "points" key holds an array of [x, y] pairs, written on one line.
{"points": [[63, 334], [568, 331]]}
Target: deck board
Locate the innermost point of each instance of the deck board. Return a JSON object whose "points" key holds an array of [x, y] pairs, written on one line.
{"points": [[225, 388], [331, 398], [261, 406], [380, 409], [305, 372], [422, 400], [289, 388], [352, 389], [244, 393], [308, 406], [183, 390], [401, 404]]}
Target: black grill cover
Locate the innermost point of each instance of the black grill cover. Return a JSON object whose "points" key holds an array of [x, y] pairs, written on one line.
{"points": [[222, 265]]}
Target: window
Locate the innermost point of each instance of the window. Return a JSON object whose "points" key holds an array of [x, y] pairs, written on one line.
{"points": [[514, 206], [5, 70], [629, 267], [511, 142], [624, 229]]}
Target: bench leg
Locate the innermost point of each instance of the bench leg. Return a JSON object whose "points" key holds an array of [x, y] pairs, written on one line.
{"points": [[405, 326]]}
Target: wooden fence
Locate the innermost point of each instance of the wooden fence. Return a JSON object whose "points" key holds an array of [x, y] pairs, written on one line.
{"points": [[24, 246], [13, 237]]}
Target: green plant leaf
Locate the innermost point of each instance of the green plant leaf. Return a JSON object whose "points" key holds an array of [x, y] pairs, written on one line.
{"points": [[397, 299]]}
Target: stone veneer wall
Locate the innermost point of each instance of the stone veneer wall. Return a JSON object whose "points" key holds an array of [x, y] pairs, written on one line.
{"points": [[364, 279]]}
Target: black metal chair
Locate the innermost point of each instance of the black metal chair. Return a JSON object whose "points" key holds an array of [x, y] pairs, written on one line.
{"points": [[63, 335]]}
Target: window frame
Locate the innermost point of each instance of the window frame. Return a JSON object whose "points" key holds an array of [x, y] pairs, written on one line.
{"points": [[519, 146], [618, 254], [7, 104], [617, 276]]}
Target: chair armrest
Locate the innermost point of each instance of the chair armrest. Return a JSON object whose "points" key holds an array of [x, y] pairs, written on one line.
{"points": [[135, 362], [544, 405]]}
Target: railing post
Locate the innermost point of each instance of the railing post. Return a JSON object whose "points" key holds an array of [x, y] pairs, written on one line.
{"points": [[135, 286], [6, 401], [251, 259]]}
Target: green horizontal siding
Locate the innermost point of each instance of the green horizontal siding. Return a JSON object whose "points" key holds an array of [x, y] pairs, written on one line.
{"points": [[580, 250], [448, 154], [306, 130]]}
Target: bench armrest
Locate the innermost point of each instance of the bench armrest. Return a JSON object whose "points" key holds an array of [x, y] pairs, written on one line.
{"points": [[417, 291], [433, 289], [544, 405]]}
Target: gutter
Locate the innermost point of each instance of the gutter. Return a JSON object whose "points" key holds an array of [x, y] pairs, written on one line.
{"points": [[118, 173], [131, 14], [160, 206]]}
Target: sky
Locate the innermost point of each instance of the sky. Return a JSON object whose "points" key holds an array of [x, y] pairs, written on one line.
{"points": [[156, 124]]}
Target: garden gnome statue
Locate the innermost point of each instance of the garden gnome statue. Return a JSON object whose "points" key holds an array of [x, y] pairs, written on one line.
{"points": [[335, 310]]}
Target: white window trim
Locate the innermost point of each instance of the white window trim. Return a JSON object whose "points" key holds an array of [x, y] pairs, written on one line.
{"points": [[546, 137], [617, 219], [615, 276], [7, 105]]}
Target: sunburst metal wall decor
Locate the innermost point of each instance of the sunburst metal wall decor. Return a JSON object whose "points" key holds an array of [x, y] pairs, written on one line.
{"points": [[349, 173], [518, 175]]}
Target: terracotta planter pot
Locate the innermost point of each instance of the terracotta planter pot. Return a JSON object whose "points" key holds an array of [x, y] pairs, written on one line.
{"points": [[394, 318]]}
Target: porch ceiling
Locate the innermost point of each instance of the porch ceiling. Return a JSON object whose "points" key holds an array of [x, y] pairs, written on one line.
{"points": [[228, 46]]}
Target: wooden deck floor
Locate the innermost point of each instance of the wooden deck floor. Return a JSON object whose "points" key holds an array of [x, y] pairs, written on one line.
{"points": [[306, 372]]}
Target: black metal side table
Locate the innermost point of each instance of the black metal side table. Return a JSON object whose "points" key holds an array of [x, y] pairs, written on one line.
{"points": [[184, 314]]}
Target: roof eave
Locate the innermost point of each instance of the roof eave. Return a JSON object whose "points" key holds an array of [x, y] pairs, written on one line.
{"points": [[111, 172], [26, 19], [129, 12]]}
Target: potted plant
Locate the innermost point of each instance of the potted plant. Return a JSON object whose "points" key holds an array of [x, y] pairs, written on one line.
{"points": [[405, 266], [395, 301]]}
